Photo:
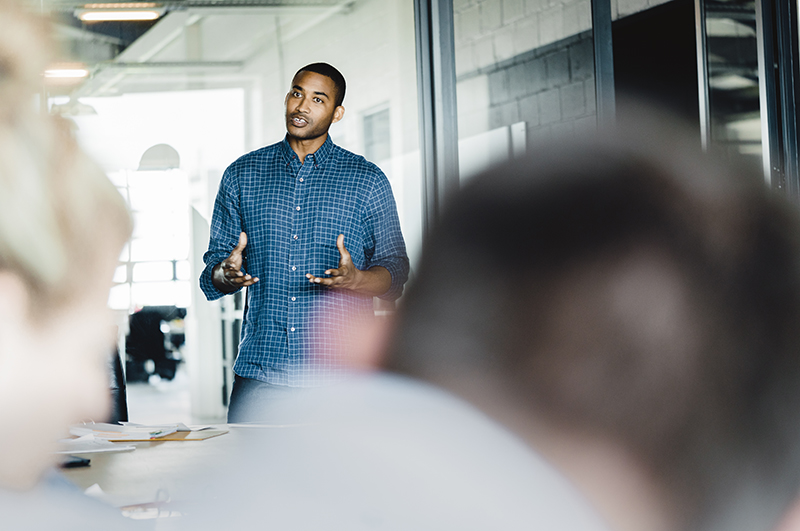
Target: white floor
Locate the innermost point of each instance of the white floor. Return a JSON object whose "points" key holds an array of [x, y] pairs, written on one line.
{"points": [[163, 401]]}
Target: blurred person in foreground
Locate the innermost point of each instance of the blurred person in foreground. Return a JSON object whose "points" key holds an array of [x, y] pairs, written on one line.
{"points": [[62, 226], [630, 308]]}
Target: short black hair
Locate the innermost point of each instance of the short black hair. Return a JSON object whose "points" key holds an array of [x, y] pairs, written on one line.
{"points": [[328, 71]]}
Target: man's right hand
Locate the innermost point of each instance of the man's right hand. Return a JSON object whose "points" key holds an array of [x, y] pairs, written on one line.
{"points": [[228, 276]]}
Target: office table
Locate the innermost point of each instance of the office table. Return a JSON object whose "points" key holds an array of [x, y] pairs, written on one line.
{"points": [[392, 454], [155, 472]]}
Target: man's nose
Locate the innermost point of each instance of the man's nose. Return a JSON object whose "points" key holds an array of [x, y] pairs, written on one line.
{"points": [[302, 105]]}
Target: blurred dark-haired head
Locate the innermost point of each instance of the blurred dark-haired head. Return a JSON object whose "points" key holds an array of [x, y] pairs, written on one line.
{"points": [[630, 289]]}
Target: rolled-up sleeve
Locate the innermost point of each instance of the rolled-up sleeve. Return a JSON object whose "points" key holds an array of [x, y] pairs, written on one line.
{"points": [[226, 225], [382, 226]]}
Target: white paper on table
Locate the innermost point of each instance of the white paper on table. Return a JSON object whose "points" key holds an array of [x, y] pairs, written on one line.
{"points": [[179, 425], [115, 432], [87, 444], [95, 491]]}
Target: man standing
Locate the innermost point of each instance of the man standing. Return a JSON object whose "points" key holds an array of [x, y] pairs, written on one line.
{"points": [[312, 230]]}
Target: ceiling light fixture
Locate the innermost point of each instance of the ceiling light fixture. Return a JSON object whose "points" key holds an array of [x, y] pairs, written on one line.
{"points": [[133, 11], [66, 72]]}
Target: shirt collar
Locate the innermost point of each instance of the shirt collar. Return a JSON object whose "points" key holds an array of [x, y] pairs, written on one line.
{"points": [[318, 157]]}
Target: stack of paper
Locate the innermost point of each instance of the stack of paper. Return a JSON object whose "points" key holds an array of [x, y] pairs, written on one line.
{"points": [[117, 433], [129, 432]]}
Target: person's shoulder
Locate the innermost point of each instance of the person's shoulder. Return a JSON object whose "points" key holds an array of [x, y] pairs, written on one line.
{"points": [[257, 155], [357, 162], [55, 503]]}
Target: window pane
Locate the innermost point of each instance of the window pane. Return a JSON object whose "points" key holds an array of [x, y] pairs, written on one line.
{"points": [[119, 178], [377, 142], [159, 248], [120, 297], [525, 72], [145, 199], [153, 223], [153, 294], [121, 274], [152, 271], [733, 92], [183, 270]]}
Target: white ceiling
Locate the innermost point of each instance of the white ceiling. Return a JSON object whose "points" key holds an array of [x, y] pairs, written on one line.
{"points": [[193, 44]]}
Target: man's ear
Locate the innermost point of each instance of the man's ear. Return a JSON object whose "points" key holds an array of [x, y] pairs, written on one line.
{"points": [[338, 114]]}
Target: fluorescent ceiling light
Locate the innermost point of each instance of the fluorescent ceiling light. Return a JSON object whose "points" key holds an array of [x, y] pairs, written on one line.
{"points": [[122, 5], [103, 16], [119, 12], [66, 73]]}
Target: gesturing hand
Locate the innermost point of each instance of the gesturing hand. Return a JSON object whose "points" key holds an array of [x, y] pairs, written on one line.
{"points": [[373, 282], [228, 275], [346, 276]]}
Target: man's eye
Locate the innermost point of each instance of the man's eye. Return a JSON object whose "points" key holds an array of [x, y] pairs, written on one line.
{"points": [[318, 100]]}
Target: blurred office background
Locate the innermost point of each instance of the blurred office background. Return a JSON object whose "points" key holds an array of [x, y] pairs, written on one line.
{"points": [[437, 91]]}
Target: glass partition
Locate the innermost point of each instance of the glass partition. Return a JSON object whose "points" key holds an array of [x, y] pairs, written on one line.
{"points": [[731, 57], [525, 72]]}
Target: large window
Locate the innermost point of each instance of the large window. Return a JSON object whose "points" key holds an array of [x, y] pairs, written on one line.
{"points": [[131, 135], [154, 266]]}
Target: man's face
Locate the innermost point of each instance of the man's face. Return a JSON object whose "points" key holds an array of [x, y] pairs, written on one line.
{"points": [[310, 106]]}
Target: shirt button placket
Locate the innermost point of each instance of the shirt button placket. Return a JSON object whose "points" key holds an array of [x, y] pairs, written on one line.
{"points": [[294, 251]]}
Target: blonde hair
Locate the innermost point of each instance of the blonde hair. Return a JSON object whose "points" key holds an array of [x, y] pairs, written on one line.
{"points": [[59, 213]]}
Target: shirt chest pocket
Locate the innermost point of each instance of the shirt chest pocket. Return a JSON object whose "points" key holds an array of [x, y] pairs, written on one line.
{"points": [[329, 225]]}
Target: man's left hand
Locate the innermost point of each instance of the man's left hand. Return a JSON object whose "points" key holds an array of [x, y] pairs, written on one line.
{"points": [[372, 282]]}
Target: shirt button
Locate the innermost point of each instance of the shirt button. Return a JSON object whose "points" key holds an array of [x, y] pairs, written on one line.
{"points": [[301, 179], [294, 268], [295, 236], [297, 208], [292, 329], [294, 299]]}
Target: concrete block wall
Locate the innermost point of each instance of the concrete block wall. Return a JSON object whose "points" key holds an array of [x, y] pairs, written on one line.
{"points": [[490, 31], [551, 89], [528, 60], [623, 8]]}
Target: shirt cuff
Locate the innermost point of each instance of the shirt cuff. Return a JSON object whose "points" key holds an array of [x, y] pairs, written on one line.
{"points": [[209, 289], [398, 269]]}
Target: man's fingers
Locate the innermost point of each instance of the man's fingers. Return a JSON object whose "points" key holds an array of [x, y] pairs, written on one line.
{"points": [[328, 282], [242, 243], [241, 279], [342, 250], [234, 260]]}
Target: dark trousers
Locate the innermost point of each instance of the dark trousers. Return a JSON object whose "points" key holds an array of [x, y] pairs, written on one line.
{"points": [[261, 402]]}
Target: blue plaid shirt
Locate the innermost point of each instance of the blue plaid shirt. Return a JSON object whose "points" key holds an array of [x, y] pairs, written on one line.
{"points": [[292, 213]]}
